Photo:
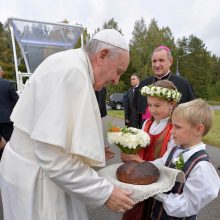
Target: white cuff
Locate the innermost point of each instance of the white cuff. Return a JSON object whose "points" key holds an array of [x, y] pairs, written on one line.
{"points": [[160, 197]]}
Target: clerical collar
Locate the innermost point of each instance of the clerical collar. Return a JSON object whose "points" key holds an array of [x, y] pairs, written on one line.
{"points": [[166, 76]]}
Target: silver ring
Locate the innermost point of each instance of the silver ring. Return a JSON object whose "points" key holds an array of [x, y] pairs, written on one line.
{"points": [[121, 210]]}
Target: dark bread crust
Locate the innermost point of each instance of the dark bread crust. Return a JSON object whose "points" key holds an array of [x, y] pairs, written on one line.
{"points": [[137, 173]]}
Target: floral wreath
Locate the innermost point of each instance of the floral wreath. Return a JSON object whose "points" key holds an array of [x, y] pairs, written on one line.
{"points": [[164, 93]]}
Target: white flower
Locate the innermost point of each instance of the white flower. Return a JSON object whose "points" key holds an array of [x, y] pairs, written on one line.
{"points": [[179, 162], [169, 94], [129, 138], [158, 92], [165, 93], [175, 160]]}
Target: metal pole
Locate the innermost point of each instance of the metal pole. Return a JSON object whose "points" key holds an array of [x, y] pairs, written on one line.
{"points": [[177, 67], [177, 63], [15, 59]]}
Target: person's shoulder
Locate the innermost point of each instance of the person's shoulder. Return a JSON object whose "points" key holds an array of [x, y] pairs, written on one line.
{"points": [[5, 81], [174, 78], [146, 81], [130, 89]]}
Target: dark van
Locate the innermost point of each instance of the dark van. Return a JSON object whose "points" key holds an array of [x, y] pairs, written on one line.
{"points": [[116, 101]]}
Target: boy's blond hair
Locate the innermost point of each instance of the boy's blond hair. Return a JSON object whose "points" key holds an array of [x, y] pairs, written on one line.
{"points": [[196, 112]]}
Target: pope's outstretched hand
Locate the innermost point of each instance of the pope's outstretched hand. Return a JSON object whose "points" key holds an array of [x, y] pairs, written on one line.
{"points": [[119, 200]]}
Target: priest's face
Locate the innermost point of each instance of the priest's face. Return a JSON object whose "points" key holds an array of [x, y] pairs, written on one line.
{"points": [[110, 69], [161, 63]]}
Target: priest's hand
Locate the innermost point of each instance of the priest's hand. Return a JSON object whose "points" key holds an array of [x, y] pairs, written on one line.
{"points": [[119, 200], [129, 157], [108, 153]]}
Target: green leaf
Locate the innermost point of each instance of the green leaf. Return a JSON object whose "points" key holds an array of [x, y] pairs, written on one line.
{"points": [[127, 150]]}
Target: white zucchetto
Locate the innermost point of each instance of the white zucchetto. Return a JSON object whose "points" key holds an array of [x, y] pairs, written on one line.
{"points": [[112, 37]]}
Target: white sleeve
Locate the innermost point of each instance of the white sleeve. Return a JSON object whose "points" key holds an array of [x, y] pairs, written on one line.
{"points": [[72, 174], [201, 187], [171, 144]]}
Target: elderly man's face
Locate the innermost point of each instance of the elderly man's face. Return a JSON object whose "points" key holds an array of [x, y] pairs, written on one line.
{"points": [[161, 63], [111, 70]]}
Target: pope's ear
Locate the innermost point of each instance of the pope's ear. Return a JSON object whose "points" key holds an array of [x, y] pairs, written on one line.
{"points": [[102, 55]]}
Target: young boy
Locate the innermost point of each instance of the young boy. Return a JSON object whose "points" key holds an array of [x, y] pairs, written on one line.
{"points": [[191, 121]]}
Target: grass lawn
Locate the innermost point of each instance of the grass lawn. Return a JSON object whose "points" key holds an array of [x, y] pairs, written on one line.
{"points": [[212, 138]]}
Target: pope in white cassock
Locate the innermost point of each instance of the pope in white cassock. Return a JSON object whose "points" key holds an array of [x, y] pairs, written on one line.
{"points": [[45, 172]]}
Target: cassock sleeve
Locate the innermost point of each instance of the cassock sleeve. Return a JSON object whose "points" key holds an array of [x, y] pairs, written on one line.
{"points": [[72, 174]]}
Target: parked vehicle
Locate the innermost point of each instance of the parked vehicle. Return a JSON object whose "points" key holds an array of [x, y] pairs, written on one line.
{"points": [[116, 101]]}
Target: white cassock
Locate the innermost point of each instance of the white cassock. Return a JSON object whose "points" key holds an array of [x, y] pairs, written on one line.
{"points": [[46, 169]]}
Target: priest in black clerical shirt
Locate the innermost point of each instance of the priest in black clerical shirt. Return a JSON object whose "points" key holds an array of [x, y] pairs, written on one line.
{"points": [[161, 62]]}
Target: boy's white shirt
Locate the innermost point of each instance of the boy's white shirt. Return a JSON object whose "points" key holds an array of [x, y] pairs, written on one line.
{"points": [[157, 127], [201, 187]]}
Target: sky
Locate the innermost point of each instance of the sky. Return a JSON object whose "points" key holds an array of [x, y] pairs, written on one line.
{"points": [[184, 17]]}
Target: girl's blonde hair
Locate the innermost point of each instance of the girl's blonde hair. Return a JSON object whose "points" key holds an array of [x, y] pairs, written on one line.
{"points": [[196, 112]]}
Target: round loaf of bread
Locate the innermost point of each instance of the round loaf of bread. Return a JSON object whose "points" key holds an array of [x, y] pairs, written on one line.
{"points": [[137, 173]]}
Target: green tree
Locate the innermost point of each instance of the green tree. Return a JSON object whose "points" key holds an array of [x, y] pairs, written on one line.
{"points": [[138, 48], [6, 54], [196, 66], [112, 24]]}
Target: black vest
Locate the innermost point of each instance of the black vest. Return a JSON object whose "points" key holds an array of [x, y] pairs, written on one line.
{"points": [[158, 212]]}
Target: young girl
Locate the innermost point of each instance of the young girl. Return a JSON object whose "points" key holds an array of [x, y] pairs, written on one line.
{"points": [[162, 96], [191, 121]]}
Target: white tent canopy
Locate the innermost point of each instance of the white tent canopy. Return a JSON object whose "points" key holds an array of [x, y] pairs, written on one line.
{"points": [[37, 40]]}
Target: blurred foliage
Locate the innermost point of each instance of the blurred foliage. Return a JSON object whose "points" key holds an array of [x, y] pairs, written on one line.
{"points": [[213, 136]]}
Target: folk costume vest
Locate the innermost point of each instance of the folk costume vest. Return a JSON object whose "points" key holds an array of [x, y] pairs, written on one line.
{"points": [[158, 142], [158, 212]]}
